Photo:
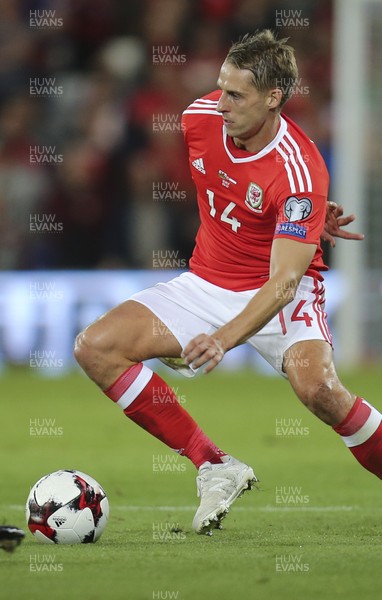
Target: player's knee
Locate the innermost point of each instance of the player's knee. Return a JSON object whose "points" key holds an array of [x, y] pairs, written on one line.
{"points": [[87, 347], [81, 348]]}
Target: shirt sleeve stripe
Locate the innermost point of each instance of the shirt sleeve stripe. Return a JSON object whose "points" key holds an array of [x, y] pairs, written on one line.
{"points": [[203, 106], [295, 165], [201, 111], [288, 170], [301, 161], [206, 101]]}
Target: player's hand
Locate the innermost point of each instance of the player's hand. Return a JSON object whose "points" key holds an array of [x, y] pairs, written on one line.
{"points": [[201, 350], [334, 222]]}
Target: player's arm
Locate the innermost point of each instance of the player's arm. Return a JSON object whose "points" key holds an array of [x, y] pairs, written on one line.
{"points": [[289, 262]]}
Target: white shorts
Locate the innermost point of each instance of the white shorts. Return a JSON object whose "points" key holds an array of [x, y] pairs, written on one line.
{"points": [[189, 305]]}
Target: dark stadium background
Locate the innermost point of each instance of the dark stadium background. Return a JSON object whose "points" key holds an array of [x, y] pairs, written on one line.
{"points": [[93, 168], [108, 58]]}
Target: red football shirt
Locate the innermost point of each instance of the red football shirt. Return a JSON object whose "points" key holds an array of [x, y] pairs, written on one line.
{"points": [[247, 200]]}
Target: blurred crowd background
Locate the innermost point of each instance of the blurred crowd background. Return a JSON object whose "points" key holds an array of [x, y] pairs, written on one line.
{"points": [[89, 89]]}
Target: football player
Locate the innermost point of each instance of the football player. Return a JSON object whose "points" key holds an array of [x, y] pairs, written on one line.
{"points": [[256, 277]]}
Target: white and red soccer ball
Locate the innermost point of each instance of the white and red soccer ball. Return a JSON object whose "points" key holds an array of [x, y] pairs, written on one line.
{"points": [[67, 507]]}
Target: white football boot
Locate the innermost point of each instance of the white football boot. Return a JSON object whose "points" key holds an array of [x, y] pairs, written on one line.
{"points": [[218, 487]]}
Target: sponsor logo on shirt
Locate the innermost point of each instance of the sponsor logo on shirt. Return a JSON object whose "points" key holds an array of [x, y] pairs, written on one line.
{"points": [[297, 209], [291, 229], [199, 165], [254, 197], [226, 180]]}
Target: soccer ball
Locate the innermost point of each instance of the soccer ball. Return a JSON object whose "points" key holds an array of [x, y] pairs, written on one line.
{"points": [[67, 507]]}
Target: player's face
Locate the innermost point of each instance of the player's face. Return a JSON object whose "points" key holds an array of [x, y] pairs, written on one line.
{"points": [[244, 109]]}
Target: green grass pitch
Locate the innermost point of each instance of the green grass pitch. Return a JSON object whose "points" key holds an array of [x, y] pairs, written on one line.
{"points": [[311, 531]]}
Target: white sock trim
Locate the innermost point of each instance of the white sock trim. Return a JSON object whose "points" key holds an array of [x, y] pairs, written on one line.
{"points": [[135, 388], [366, 431]]}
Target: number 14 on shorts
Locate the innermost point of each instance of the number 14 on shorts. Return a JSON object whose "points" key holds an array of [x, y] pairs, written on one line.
{"points": [[298, 315]]}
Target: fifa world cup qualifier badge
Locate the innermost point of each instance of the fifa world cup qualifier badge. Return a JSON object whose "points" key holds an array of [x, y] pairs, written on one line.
{"points": [[254, 197]]}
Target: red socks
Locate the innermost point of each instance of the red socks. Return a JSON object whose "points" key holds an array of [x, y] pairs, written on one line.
{"points": [[361, 431], [148, 401]]}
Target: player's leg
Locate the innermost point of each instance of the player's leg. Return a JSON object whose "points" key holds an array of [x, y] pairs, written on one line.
{"points": [[297, 342], [126, 335], [162, 321], [311, 372], [111, 351], [315, 381]]}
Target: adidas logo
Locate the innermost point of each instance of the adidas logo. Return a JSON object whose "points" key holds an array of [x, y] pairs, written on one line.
{"points": [[199, 165], [58, 521]]}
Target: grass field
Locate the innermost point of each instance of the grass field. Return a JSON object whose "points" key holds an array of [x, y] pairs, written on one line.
{"points": [[312, 530]]}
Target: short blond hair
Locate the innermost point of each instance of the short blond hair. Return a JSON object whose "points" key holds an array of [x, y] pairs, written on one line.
{"points": [[271, 61]]}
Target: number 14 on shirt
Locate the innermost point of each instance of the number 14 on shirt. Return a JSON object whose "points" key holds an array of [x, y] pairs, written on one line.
{"points": [[235, 224]]}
